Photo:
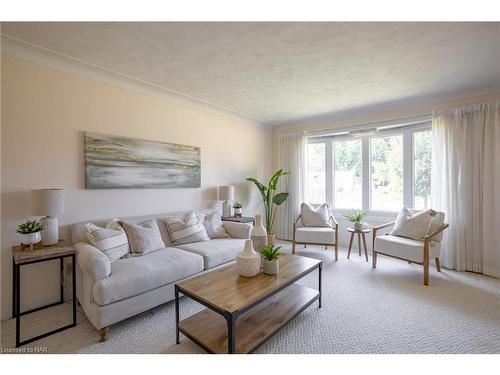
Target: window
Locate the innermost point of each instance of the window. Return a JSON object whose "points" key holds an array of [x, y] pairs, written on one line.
{"points": [[386, 169], [347, 174], [422, 155], [373, 171], [316, 172]]}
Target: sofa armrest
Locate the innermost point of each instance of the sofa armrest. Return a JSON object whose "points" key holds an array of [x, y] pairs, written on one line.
{"points": [[238, 230], [93, 261]]}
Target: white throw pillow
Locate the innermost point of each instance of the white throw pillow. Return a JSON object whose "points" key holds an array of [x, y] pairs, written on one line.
{"points": [[144, 237], [111, 240], [315, 217], [213, 225], [415, 226], [187, 230]]}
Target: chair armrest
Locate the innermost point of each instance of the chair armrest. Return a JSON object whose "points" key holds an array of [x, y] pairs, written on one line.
{"points": [[439, 230], [296, 221], [238, 230], [375, 229], [334, 221], [93, 261]]}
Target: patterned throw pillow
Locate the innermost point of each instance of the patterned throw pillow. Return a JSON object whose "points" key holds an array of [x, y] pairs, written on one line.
{"points": [[315, 217], [187, 230], [213, 225], [144, 237], [111, 240], [411, 225]]}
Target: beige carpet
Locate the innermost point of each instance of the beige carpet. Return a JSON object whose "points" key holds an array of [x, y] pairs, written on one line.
{"points": [[387, 310]]}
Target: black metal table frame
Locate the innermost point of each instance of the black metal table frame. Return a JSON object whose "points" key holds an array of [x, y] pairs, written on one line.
{"points": [[16, 297], [231, 317]]}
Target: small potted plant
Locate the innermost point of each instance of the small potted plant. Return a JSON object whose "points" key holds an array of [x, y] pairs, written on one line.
{"points": [[237, 209], [30, 232], [357, 218], [270, 253]]}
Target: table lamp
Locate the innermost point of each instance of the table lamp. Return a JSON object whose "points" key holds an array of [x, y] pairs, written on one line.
{"points": [[226, 194], [48, 203]]}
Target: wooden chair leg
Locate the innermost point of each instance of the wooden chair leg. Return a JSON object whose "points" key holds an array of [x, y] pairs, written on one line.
{"points": [[366, 250], [103, 334], [438, 265], [293, 247], [350, 245], [305, 246], [359, 244], [426, 264], [374, 259], [336, 251]]}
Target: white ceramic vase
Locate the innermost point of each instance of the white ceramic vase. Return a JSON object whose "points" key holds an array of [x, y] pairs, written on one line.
{"points": [[358, 225], [30, 238], [248, 261], [259, 234], [271, 267]]}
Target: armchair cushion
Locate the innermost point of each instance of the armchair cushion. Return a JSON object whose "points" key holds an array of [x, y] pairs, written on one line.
{"points": [[319, 235], [415, 226], [405, 248], [315, 216]]}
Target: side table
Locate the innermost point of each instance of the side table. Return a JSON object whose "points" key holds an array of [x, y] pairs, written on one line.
{"points": [[360, 233], [242, 219], [23, 256]]}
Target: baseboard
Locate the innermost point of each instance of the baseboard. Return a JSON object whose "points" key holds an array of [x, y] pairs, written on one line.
{"points": [[491, 271]]}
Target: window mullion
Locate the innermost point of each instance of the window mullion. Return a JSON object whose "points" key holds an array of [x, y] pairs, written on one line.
{"points": [[329, 173], [365, 172], [408, 168]]}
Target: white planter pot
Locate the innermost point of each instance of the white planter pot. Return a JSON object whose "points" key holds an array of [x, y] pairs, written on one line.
{"points": [[248, 261], [358, 226], [30, 238], [271, 267], [238, 212]]}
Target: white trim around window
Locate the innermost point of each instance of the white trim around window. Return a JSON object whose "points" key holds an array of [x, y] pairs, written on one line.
{"points": [[407, 131]]}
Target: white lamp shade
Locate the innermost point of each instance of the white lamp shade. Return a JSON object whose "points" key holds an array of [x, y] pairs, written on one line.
{"points": [[47, 202], [226, 193]]}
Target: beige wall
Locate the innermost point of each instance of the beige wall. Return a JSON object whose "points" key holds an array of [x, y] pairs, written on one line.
{"points": [[44, 115]]}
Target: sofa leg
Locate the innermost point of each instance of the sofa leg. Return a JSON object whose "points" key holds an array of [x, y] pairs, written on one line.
{"points": [[326, 247], [305, 246], [374, 259], [438, 265], [103, 334]]}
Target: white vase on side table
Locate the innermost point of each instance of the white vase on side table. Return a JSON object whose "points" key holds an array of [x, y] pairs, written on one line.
{"points": [[259, 234], [248, 261]]}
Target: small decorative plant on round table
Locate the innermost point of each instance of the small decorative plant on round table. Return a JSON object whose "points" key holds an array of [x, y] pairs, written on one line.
{"points": [[270, 253], [237, 209], [30, 232], [357, 218]]}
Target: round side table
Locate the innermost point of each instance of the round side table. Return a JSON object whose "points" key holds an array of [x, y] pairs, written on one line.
{"points": [[360, 233]]}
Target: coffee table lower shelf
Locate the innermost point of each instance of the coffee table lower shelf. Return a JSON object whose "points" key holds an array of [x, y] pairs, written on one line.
{"points": [[209, 329]]}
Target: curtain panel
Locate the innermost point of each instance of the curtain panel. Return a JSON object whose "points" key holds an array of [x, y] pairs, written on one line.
{"points": [[292, 157], [466, 185]]}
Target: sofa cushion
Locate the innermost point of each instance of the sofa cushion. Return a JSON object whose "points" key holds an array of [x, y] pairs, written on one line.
{"points": [[405, 248], [144, 237], [213, 224], [133, 276], [315, 235], [216, 251], [186, 230]]}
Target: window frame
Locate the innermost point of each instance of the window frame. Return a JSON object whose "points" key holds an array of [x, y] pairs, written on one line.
{"points": [[407, 131]]}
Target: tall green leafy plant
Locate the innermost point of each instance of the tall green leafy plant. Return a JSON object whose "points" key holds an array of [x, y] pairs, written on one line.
{"points": [[270, 197]]}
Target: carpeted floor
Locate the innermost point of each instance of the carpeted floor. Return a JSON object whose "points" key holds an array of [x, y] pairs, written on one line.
{"points": [[387, 310]]}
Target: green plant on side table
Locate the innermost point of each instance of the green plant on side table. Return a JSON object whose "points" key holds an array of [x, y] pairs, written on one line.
{"points": [[357, 218], [270, 253], [237, 209], [30, 232], [271, 200]]}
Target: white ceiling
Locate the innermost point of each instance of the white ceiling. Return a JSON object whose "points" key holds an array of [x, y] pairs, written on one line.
{"points": [[278, 73]]}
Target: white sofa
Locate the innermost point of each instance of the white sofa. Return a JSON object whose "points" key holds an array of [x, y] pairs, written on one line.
{"points": [[111, 292]]}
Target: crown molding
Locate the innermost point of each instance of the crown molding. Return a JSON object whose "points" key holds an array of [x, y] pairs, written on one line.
{"points": [[55, 60]]}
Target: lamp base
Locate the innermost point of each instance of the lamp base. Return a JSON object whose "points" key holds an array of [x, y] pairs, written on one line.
{"points": [[50, 232], [226, 209]]}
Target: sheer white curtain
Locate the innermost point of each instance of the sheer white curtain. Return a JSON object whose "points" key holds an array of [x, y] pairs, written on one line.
{"points": [[466, 185], [292, 157]]}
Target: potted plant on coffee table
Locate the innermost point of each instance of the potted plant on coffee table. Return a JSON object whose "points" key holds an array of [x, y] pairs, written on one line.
{"points": [[270, 253], [271, 200], [30, 232], [357, 218]]}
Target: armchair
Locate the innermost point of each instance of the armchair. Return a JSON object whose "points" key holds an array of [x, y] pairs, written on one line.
{"points": [[413, 251], [325, 236]]}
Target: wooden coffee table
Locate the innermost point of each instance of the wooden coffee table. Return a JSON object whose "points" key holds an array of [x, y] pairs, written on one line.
{"points": [[242, 313]]}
